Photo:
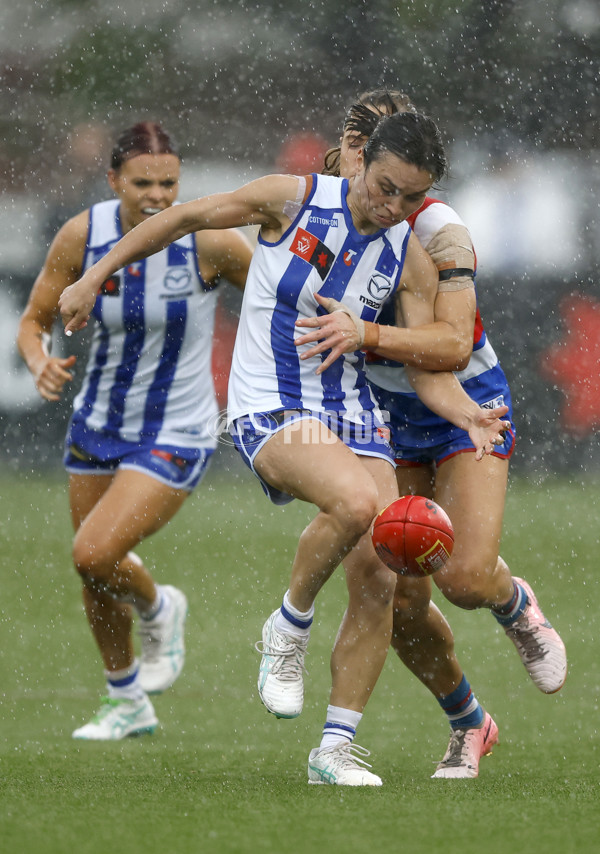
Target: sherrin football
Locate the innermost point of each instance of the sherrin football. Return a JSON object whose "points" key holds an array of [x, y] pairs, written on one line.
{"points": [[413, 536]]}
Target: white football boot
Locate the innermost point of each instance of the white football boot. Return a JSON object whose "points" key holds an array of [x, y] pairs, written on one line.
{"points": [[341, 765], [280, 680], [117, 719], [163, 647]]}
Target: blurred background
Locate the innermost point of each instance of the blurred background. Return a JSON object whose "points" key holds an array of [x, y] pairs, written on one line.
{"points": [[251, 87]]}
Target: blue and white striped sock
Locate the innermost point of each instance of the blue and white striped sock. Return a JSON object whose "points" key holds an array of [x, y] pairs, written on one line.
{"points": [[462, 708], [340, 725], [123, 684], [512, 610], [291, 621]]}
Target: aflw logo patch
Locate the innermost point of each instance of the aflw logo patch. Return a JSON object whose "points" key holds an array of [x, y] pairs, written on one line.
{"points": [[305, 245]]}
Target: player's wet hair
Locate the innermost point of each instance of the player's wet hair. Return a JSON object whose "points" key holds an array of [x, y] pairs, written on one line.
{"points": [[362, 117], [413, 137], [142, 138]]}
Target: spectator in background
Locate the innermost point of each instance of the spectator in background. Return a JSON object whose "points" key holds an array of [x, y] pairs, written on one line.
{"points": [[301, 153], [80, 175]]}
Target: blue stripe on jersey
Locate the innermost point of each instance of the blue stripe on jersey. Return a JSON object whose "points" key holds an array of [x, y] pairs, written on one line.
{"points": [[335, 286], [158, 392], [118, 227], [100, 356], [133, 322], [285, 314], [391, 266], [482, 341], [176, 255]]}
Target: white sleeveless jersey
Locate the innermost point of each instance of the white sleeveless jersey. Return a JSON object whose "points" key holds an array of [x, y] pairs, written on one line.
{"points": [[148, 375], [321, 251]]}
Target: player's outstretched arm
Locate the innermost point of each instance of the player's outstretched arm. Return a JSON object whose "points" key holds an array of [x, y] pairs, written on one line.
{"points": [[76, 301], [260, 202], [443, 394]]}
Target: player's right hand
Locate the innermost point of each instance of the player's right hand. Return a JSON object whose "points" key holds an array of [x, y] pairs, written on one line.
{"points": [[53, 375]]}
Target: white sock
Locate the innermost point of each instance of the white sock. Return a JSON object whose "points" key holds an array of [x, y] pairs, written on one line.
{"points": [[159, 607], [340, 725], [291, 621]]}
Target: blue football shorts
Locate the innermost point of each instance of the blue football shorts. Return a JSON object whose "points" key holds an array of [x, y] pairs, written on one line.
{"points": [[251, 432], [435, 441], [94, 452]]}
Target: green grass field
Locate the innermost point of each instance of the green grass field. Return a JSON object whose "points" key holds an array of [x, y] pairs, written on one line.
{"points": [[221, 775]]}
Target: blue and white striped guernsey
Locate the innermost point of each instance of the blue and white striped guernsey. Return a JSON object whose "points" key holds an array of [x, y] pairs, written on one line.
{"points": [[321, 251], [149, 374]]}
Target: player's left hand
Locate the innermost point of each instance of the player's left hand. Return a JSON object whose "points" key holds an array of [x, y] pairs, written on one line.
{"points": [[340, 331], [488, 430], [76, 303]]}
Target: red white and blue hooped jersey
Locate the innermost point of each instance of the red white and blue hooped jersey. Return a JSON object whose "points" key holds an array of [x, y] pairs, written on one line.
{"points": [[321, 252], [483, 379], [148, 375]]}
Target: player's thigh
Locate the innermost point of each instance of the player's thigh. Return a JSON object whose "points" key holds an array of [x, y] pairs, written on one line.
{"points": [[134, 506], [85, 491], [309, 462], [382, 473], [473, 494]]}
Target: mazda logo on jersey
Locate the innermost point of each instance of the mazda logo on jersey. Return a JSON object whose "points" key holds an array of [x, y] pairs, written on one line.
{"points": [[379, 286], [177, 279], [308, 247]]}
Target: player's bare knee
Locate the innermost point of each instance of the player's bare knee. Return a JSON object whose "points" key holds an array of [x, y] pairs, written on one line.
{"points": [[409, 605], [355, 513], [91, 562], [467, 591], [378, 590]]}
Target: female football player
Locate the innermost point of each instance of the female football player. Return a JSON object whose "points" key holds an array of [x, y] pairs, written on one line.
{"points": [[138, 441]]}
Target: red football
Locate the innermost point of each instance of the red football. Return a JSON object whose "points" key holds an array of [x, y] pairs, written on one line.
{"points": [[413, 536]]}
